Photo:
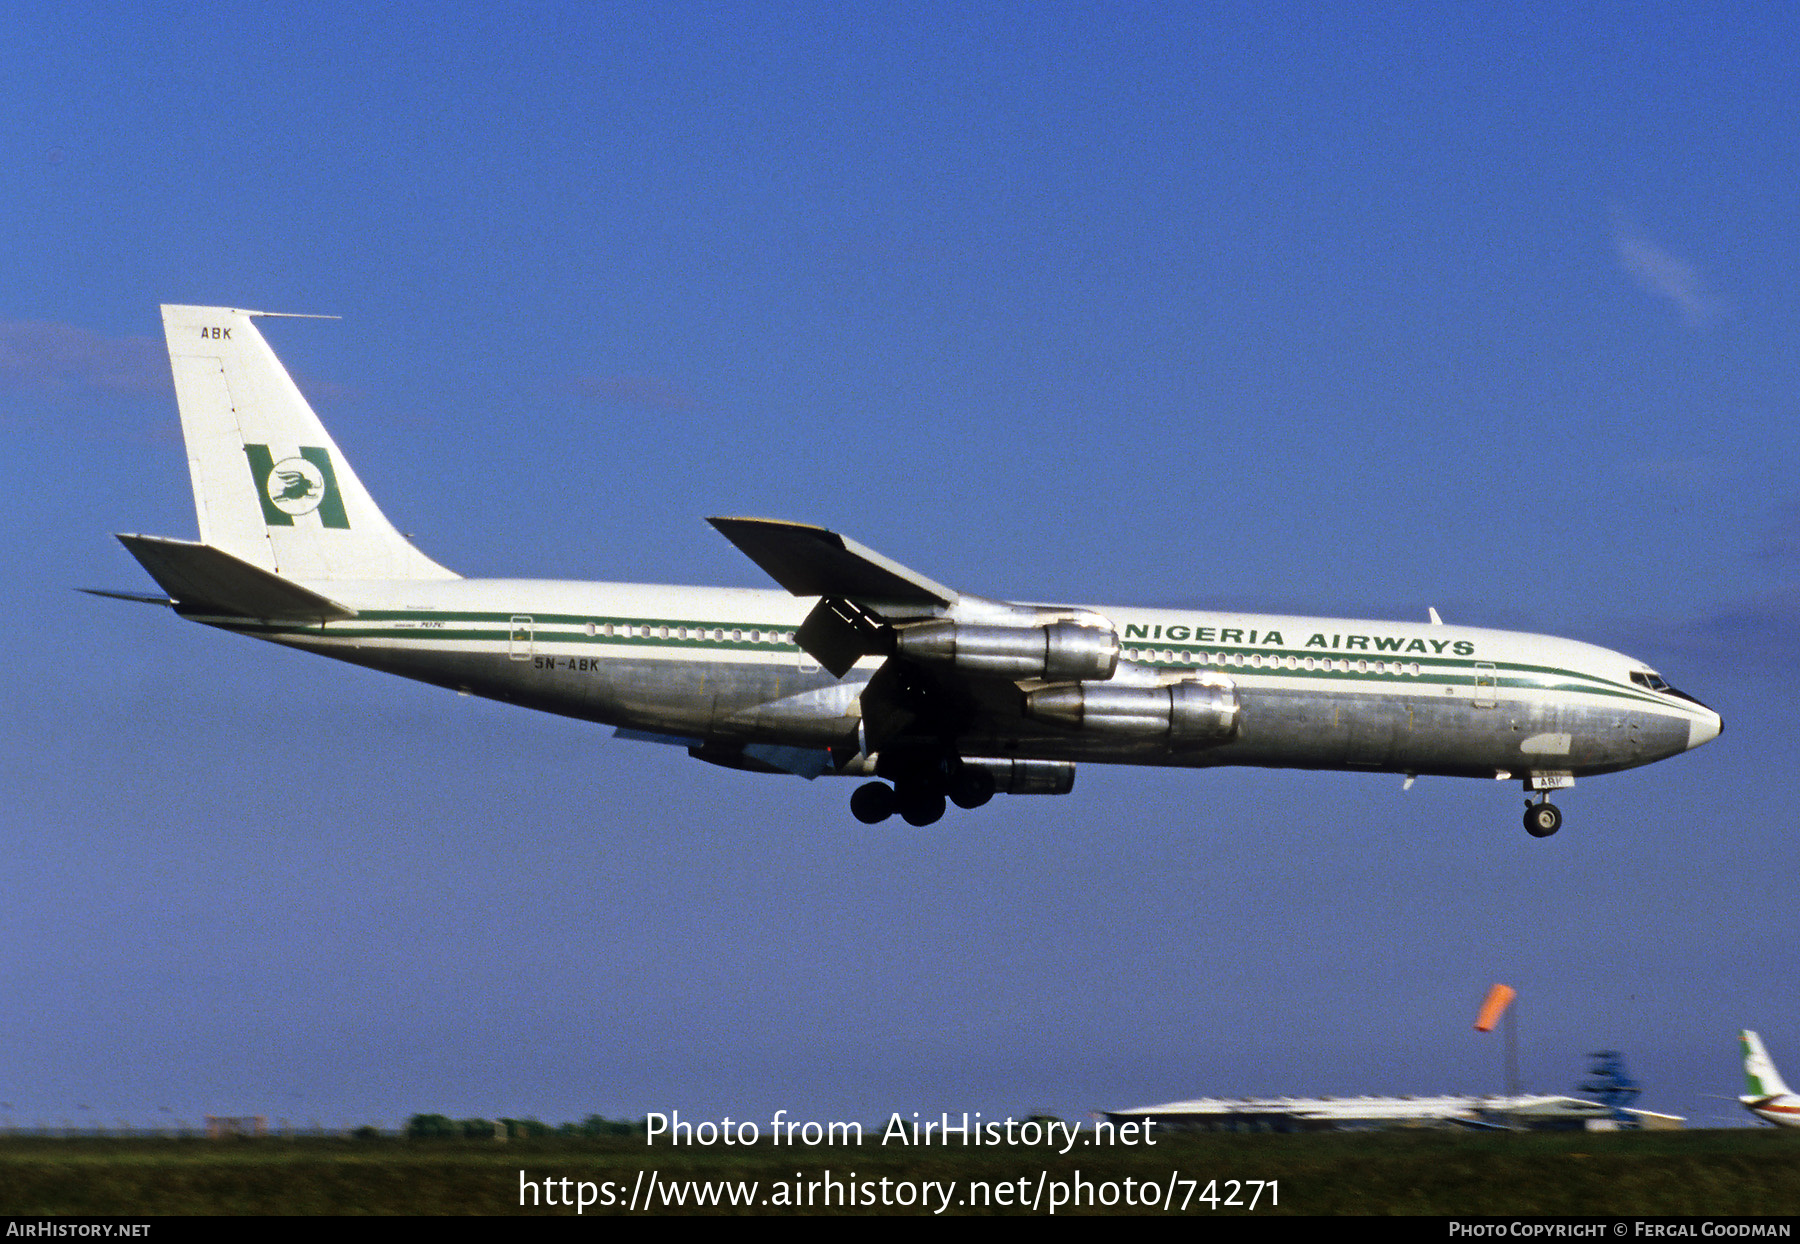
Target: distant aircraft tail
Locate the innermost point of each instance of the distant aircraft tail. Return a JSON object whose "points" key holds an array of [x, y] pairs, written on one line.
{"points": [[271, 488], [1760, 1077]]}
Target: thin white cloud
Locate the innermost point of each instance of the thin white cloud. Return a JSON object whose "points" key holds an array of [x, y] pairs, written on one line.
{"points": [[41, 354], [1664, 275]]}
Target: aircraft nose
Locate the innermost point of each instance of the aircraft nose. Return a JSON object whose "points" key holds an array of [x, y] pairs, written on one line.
{"points": [[1704, 728]]}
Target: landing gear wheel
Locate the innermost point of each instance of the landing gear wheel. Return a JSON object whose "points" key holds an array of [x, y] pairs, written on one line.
{"points": [[920, 805], [1542, 819], [872, 803], [971, 787]]}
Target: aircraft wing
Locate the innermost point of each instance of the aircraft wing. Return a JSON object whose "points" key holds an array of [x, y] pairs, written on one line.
{"points": [[812, 561], [957, 663], [858, 589]]}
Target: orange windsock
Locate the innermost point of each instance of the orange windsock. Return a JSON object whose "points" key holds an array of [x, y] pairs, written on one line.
{"points": [[1498, 998]]}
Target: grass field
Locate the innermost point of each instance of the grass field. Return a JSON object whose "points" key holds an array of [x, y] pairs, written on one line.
{"points": [[1727, 1172]]}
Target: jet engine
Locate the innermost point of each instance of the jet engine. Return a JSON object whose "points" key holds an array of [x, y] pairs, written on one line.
{"points": [[1054, 652], [1026, 777], [1188, 713]]}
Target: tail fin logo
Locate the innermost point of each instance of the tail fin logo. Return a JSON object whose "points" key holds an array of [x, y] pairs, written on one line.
{"points": [[294, 486]]}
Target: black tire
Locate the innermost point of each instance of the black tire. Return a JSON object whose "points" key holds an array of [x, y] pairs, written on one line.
{"points": [[1542, 819], [872, 803], [971, 787], [921, 806]]}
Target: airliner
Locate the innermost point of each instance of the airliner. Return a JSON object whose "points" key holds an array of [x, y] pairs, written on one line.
{"points": [[859, 666], [1765, 1094]]}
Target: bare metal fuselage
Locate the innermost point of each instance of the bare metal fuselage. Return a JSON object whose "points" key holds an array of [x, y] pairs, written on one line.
{"points": [[721, 666]]}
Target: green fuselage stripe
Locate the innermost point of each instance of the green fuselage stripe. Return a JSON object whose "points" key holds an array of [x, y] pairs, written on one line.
{"points": [[455, 626]]}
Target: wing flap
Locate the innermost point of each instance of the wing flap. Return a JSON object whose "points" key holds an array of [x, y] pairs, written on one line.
{"points": [[202, 579], [837, 634]]}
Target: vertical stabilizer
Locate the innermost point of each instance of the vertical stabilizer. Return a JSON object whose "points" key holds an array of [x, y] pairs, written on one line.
{"points": [[270, 486], [1760, 1077]]}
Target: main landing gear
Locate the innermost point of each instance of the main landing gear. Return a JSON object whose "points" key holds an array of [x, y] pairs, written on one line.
{"points": [[920, 797], [1542, 818]]}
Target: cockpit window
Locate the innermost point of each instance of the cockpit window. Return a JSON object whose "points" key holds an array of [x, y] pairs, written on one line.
{"points": [[1650, 680]]}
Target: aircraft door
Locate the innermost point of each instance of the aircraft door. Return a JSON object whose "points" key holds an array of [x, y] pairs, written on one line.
{"points": [[519, 639], [1487, 685]]}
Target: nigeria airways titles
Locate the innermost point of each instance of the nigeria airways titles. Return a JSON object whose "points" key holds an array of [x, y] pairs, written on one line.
{"points": [[1348, 643], [860, 666]]}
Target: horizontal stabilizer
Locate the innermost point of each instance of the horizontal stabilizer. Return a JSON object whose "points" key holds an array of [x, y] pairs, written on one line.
{"points": [[811, 561], [202, 579]]}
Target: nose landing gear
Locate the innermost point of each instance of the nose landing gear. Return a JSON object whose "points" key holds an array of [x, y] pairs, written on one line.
{"points": [[1542, 818]]}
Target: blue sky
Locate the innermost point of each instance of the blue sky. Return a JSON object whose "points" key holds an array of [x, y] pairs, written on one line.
{"points": [[1252, 306]]}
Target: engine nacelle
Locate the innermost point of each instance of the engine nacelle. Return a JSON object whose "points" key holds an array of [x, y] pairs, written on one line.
{"points": [[1187, 713], [1027, 777], [1056, 652]]}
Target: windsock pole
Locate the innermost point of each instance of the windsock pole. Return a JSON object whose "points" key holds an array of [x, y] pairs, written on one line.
{"points": [[1497, 1004]]}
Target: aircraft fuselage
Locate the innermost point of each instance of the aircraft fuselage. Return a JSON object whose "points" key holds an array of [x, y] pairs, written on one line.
{"points": [[1314, 693]]}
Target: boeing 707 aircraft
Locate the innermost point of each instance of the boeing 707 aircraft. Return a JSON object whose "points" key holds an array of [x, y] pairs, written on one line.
{"points": [[859, 666]]}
